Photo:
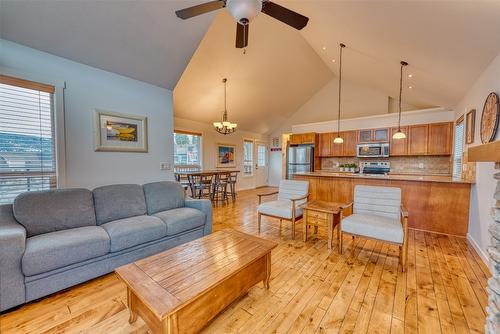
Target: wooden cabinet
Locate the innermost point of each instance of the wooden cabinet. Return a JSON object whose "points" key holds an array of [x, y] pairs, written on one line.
{"points": [[350, 142], [417, 139], [440, 139], [374, 135], [399, 146], [302, 138], [325, 144]]}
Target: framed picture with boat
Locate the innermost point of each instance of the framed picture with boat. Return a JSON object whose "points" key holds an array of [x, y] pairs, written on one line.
{"points": [[226, 157], [118, 132]]}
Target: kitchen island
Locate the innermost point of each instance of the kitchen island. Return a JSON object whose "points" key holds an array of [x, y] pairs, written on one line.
{"points": [[435, 203]]}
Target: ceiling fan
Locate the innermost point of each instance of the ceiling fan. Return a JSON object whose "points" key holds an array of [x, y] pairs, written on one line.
{"points": [[245, 11]]}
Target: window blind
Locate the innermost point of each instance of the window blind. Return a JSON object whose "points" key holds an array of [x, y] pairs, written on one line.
{"points": [[27, 158], [458, 149]]}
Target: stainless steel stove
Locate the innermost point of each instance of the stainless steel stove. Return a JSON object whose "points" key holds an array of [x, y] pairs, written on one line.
{"points": [[375, 167]]}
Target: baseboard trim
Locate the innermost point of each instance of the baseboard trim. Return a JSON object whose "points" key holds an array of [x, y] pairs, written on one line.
{"points": [[479, 251]]}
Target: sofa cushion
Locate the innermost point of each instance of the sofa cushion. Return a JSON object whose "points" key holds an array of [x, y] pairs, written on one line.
{"points": [[279, 208], [54, 210], [181, 219], [129, 232], [162, 196], [54, 250], [372, 226], [118, 201]]}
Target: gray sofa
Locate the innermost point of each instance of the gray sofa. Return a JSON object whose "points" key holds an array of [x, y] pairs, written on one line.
{"points": [[51, 240]]}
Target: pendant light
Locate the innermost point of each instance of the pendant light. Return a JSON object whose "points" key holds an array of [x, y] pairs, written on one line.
{"points": [[225, 127], [400, 134], [338, 139]]}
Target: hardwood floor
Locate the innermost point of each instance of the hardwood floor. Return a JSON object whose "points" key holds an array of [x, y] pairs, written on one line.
{"points": [[313, 289]]}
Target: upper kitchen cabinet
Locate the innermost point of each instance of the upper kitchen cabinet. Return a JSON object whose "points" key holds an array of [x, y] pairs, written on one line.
{"points": [[399, 146], [325, 144], [302, 138], [373, 135], [350, 142], [440, 139], [417, 139]]}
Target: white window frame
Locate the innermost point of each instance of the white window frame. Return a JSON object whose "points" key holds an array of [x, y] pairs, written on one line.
{"points": [[458, 148], [200, 134], [59, 121], [266, 160], [246, 163]]}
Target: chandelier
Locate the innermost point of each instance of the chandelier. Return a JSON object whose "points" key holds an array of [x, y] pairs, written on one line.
{"points": [[225, 127]]}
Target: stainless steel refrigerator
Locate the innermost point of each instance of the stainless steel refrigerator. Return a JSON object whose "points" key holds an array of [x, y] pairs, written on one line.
{"points": [[299, 159]]}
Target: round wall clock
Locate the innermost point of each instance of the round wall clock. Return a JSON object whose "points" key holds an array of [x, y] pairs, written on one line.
{"points": [[489, 118]]}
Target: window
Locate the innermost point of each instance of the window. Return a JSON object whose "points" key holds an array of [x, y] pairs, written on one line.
{"points": [[27, 155], [187, 149], [261, 155], [459, 147], [247, 157]]}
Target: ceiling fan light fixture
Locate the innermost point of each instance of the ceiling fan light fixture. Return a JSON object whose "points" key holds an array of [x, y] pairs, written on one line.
{"points": [[244, 11]]}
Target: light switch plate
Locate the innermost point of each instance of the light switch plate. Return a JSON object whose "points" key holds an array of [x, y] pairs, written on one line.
{"points": [[164, 166], [421, 165]]}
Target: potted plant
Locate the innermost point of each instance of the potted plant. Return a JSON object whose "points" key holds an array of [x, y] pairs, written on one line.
{"points": [[342, 168]]}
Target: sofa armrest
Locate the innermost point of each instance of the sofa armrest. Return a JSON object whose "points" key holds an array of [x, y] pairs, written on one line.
{"points": [[12, 246], [205, 206]]}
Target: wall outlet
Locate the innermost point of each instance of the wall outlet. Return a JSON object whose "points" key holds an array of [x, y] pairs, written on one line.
{"points": [[164, 166], [421, 165]]}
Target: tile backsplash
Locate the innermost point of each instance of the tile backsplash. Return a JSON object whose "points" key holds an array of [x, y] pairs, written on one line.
{"points": [[431, 165]]}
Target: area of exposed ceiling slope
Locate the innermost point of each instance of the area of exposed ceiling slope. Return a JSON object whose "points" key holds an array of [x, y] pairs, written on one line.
{"points": [[447, 43], [278, 73], [140, 40]]}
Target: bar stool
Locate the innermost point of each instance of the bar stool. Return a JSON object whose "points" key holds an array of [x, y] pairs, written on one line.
{"points": [[201, 185], [220, 188], [231, 181]]}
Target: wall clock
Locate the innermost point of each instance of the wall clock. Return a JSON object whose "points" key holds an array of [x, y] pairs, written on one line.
{"points": [[489, 118]]}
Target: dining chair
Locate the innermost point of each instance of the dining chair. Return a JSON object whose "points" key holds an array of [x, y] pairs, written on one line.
{"points": [[201, 185], [231, 189], [220, 187], [291, 194], [377, 214]]}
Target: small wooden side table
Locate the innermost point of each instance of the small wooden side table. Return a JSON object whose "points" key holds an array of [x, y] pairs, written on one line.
{"points": [[322, 213]]}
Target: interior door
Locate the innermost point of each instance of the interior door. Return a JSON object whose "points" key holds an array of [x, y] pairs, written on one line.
{"points": [[261, 165]]}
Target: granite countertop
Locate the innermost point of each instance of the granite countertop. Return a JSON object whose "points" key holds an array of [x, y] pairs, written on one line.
{"points": [[401, 177]]}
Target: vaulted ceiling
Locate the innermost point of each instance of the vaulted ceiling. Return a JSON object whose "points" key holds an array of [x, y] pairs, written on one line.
{"points": [[447, 43]]}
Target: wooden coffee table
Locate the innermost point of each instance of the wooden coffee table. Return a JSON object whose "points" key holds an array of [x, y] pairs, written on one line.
{"points": [[182, 289], [322, 213]]}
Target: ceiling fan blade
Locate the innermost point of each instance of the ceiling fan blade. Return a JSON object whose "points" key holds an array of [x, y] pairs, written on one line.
{"points": [[206, 7], [284, 15], [241, 35]]}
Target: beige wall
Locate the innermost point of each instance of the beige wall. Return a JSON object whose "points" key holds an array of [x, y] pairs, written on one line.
{"points": [[210, 138]]}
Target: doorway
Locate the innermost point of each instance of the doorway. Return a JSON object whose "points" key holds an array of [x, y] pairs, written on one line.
{"points": [[261, 165]]}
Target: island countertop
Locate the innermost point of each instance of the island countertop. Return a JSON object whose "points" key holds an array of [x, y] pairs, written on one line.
{"points": [[396, 177]]}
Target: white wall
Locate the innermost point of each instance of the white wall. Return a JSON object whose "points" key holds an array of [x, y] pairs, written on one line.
{"points": [[482, 192], [88, 88], [210, 138]]}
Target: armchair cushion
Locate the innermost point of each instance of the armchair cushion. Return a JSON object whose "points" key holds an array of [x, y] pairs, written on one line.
{"points": [[372, 226], [280, 208], [380, 201], [290, 189]]}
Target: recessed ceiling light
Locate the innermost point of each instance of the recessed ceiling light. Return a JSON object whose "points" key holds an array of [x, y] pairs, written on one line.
{"points": [[410, 75], [324, 48], [411, 87], [333, 60]]}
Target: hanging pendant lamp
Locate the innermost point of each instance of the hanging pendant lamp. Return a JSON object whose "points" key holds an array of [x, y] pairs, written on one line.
{"points": [[338, 139], [400, 134], [225, 127]]}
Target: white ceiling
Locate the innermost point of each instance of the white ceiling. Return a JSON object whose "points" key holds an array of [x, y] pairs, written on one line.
{"points": [[447, 43], [143, 40]]}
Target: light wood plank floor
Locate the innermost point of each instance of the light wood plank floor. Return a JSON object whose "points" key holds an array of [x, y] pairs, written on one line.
{"points": [[313, 290]]}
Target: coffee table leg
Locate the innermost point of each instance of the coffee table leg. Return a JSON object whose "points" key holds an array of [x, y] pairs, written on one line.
{"points": [[133, 314], [268, 271]]}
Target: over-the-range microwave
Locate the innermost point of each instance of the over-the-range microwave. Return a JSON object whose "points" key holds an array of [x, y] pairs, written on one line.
{"points": [[372, 150]]}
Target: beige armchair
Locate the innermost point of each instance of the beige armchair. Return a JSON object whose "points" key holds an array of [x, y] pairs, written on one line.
{"points": [[291, 194], [377, 214]]}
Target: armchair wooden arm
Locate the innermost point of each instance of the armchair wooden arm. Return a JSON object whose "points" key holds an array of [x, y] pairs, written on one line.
{"points": [[268, 194], [404, 213], [299, 198], [404, 252], [347, 209]]}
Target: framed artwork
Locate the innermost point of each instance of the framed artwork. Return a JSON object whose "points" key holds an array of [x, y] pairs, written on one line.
{"points": [[470, 125], [117, 132], [226, 156]]}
